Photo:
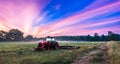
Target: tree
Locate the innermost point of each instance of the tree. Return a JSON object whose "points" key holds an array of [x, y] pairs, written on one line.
{"points": [[96, 37], [102, 38], [113, 36], [15, 35], [29, 37], [110, 33], [3, 35], [88, 38]]}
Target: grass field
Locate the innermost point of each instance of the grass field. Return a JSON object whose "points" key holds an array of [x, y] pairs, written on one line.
{"points": [[114, 52], [23, 53]]}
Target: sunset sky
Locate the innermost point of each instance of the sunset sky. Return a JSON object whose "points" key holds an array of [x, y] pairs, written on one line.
{"points": [[43, 18]]}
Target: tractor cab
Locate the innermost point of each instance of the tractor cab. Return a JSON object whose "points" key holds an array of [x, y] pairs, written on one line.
{"points": [[50, 39]]}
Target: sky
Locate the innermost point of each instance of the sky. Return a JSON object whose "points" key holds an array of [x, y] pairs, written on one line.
{"points": [[42, 18]]}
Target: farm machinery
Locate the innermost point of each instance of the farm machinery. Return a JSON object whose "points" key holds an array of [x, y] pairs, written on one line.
{"points": [[51, 44]]}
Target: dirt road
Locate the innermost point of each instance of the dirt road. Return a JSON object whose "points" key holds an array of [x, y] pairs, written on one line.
{"points": [[86, 59]]}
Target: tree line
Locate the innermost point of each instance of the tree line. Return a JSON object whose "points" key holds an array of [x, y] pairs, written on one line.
{"points": [[17, 35], [95, 37]]}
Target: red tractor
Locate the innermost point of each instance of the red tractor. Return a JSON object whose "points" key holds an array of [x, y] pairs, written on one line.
{"points": [[49, 44]]}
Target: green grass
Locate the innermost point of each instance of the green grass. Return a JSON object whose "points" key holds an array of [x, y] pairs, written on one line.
{"points": [[23, 53]]}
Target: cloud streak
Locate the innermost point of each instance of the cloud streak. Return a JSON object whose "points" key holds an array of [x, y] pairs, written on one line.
{"points": [[24, 14], [81, 27], [20, 14], [76, 18]]}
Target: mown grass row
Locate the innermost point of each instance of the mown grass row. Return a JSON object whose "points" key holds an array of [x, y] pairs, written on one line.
{"points": [[13, 53]]}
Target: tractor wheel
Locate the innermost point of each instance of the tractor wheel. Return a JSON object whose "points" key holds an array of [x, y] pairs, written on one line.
{"points": [[56, 45]]}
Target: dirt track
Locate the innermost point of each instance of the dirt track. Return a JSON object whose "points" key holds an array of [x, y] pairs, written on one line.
{"points": [[86, 59]]}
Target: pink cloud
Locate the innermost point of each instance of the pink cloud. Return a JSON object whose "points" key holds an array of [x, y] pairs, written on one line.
{"points": [[55, 27], [97, 4], [20, 14], [81, 27], [91, 32], [86, 15], [75, 28]]}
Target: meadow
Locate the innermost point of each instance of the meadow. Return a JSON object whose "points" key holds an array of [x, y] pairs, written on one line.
{"points": [[114, 52], [24, 53]]}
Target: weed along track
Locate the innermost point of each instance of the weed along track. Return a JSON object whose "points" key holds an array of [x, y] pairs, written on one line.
{"points": [[95, 56]]}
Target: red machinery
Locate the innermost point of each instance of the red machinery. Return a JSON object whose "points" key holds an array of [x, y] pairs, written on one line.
{"points": [[49, 44]]}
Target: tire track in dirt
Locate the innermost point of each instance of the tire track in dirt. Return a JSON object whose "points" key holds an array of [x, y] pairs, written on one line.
{"points": [[90, 55]]}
